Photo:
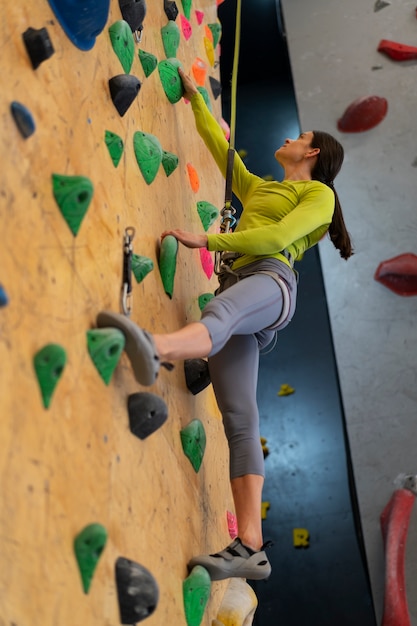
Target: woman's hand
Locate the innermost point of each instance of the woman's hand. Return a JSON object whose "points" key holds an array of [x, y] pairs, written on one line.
{"points": [[190, 240], [189, 87]]}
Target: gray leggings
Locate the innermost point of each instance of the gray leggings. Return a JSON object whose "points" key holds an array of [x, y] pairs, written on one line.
{"points": [[238, 320]]}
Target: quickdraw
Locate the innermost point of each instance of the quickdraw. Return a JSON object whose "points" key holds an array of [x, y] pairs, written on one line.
{"points": [[127, 270]]}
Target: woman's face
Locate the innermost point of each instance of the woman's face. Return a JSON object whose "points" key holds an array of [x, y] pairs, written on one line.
{"points": [[295, 149]]}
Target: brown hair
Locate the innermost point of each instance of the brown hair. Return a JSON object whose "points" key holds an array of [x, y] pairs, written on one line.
{"points": [[327, 167]]}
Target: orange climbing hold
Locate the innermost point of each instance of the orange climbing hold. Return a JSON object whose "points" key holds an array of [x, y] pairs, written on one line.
{"points": [[199, 69], [193, 176]]}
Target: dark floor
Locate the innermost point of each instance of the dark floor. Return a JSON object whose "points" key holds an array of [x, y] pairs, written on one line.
{"points": [[308, 480]]}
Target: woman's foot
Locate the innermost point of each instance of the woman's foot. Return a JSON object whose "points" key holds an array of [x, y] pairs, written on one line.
{"points": [[235, 561]]}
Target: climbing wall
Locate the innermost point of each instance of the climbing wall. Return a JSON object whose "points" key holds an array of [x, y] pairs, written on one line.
{"points": [[70, 460]]}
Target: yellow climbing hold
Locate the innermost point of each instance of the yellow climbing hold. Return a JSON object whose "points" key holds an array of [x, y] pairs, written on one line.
{"points": [[285, 390], [265, 506], [238, 605], [301, 537]]}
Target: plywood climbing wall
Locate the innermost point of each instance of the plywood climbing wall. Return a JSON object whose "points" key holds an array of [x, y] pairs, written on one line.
{"points": [[76, 462]]}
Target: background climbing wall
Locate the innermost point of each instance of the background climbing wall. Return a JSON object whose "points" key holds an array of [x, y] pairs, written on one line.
{"points": [[77, 463]]}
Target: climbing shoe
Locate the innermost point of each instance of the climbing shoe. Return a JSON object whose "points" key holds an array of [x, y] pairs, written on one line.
{"points": [[235, 561]]}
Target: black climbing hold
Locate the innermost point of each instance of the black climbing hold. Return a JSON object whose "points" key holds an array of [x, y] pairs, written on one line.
{"points": [[147, 413], [123, 90], [23, 118], [82, 20], [133, 12], [197, 376], [216, 87], [171, 9], [137, 591], [38, 45]]}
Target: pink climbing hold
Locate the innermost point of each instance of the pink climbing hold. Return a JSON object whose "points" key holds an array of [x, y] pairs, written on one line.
{"points": [[226, 128], [199, 16], [363, 114], [397, 51], [207, 262], [399, 274], [232, 524], [186, 28]]}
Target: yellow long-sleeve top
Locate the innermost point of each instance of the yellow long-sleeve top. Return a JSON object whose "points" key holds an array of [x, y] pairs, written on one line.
{"points": [[292, 215]]}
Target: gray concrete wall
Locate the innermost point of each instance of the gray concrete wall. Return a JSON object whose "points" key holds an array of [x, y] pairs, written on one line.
{"points": [[333, 51]]}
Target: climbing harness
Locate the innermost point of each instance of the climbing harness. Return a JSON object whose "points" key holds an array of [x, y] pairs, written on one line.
{"points": [[127, 270]]}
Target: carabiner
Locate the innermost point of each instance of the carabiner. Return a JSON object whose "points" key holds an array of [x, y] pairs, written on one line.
{"points": [[127, 271]]}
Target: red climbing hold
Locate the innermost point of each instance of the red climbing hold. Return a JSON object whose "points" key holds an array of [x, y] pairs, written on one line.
{"points": [[397, 51], [399, 274], [363, 114]]}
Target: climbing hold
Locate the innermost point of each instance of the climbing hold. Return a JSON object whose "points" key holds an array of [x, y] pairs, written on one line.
{"points": [[196, 593], [168, 263], [265, 448], [399, 274], [4, 300], [199, 69], [238, 605], [193, 177], [73, 195], [301, 538], [114, 145], [134, 12], [206, 97], [171, 10], [363, 114], [170, 79], [186, 6], [208, 44], [232, 525], [186, 28], [147, 413], [242, 153], [81, 20], [204, 299], [265, 506], [380, 4], [397, 51], [207, 262], [88, 546], [148, 152], [225, 128], [38, 45], [148, 62], [216, 87], [49, 363], [122, 41], [141, 266], [285, 390], [216, 31], [137, 591], [23, 119], [105, 345], [197, 376], [208, 213], [193, 439], [169, 162], [199, 16], [123, 90], [170, 39]]}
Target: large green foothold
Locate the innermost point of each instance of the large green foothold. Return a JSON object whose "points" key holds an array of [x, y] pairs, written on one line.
{"points": [[148, 152], [148, 62], [114, 145], [170, 38], [204, 299], [193, 439], [105, 345], [208, 213], [170, 79], [73, 195], [49, 364], [88, 546], [121, 37], [206, 97], [186, 6], [216, 31], [168, 263], [141, 266], [169, 162], [196, 593]]}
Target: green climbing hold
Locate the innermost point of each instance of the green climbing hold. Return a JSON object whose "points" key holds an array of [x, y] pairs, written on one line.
{"points": [[49, 363], [186, 5], [148, 152], [73, 195], [121, 37], [170, 38], [196, 593], [105, 345], [193, 439], [148, 62], [88, 546], [141, 266], [170, 79], [204, 299], [169, 162], [206, 97], [208, 213], [168, 263], [216, 31], [114, 145]]}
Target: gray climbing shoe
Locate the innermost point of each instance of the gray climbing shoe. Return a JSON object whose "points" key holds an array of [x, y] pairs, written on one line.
{"points": [[235, 561], [139, 346]]}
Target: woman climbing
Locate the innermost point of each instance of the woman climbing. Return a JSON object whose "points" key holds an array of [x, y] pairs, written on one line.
{"points": [[256, 297]]}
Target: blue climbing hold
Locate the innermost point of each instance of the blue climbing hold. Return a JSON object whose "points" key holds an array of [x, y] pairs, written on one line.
{"points": [[82, 20], [4, 300], [23, 118]]}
